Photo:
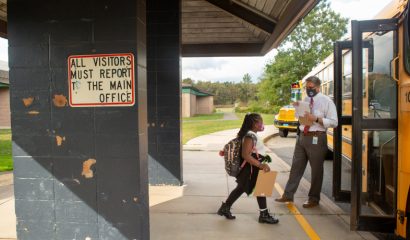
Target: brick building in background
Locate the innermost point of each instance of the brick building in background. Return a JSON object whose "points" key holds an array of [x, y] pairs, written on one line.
{"points": [[4, 95], [195, 101]]}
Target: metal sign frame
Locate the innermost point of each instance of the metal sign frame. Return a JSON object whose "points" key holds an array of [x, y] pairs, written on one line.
{"points": [[107, 103]]}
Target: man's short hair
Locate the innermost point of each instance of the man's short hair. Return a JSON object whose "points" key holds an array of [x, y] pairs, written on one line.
{"points": [[313, 79]]}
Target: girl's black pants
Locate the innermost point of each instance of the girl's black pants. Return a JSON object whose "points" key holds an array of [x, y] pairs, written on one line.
{"points": [[237, 192]]}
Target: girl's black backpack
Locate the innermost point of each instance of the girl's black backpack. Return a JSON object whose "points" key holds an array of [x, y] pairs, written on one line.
{"points": [[233, 157]]}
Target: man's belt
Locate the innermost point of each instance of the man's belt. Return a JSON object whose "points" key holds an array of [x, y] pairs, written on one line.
{"points": [[311, 133]]}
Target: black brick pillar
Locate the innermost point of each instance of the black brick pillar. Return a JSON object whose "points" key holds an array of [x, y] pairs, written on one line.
{"points": [[164, 92], [80, 173]]}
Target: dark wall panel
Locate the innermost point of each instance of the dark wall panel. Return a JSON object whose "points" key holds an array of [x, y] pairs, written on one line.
{"points": [[79, 172], [164, 92]]}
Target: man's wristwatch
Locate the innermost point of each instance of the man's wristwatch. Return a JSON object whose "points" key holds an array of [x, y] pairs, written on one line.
{"points": [[317, 120]]}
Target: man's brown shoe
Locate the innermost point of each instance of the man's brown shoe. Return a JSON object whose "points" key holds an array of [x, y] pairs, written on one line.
{"points": [[282, 199], [308, 204]]}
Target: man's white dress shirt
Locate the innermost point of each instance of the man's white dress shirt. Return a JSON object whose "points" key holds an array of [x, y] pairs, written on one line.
{"points": [[324, 108]]}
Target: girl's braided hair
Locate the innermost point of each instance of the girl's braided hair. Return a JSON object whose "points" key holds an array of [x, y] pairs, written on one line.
{"points": [[247, 124]]}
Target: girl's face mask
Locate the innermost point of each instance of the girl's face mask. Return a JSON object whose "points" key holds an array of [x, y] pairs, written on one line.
{"points": [[261, 127]]}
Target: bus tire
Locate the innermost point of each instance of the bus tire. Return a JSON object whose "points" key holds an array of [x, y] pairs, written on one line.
{"points": [[283, 133]]}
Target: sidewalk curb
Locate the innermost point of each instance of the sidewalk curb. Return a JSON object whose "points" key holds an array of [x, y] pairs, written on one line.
{"points": [[269, 137]]}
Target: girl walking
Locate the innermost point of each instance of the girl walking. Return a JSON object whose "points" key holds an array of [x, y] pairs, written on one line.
{"points": [[254, 155]]}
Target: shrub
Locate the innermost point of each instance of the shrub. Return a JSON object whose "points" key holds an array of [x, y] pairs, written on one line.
{"points": [[224, 106], [214, 110], [257, 109]]}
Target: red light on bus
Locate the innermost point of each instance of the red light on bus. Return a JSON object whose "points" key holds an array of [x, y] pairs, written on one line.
{"points": [[295, 85]]}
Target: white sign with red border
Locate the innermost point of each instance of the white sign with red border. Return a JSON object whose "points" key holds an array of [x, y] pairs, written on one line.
{"points": [[101, 80]]}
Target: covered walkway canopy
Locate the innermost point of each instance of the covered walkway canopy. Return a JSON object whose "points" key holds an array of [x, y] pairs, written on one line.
{"points": [[238, 27], [213, 28], [82, 168]]}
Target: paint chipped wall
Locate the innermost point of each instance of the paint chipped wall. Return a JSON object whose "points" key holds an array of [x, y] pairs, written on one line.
{"points": [[80, 173], [5, 107]]}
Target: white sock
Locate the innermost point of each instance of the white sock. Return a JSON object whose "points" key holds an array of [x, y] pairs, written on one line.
{"points": [[261, 210]]}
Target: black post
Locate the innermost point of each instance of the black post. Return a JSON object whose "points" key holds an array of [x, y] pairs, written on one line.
{"points": [[79, 172], [164, 92]]}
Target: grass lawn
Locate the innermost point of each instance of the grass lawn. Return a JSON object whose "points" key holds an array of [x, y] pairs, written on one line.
{"points": [[195, 129], [197, 117], [6, 157], [224, 110], [268, 119]]}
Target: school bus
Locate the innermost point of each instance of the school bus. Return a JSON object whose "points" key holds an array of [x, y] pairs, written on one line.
{"points": [[286, 121], [296, 92], [368, 78]]}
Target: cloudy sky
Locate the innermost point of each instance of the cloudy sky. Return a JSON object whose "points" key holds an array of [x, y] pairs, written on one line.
{"points": [[233, 69]]}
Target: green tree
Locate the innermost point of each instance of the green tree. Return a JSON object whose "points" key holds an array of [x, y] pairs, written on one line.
{"points": [[310, 42], [246, 82], [188, 81]]}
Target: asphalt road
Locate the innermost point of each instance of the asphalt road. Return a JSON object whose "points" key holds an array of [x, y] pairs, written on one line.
{"points": [[284, 148]]}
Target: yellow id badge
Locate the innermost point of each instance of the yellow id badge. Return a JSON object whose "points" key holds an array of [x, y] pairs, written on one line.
{"points": [[314, 141]]}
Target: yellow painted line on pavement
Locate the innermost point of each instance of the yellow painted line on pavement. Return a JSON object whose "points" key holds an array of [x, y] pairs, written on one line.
{"points": [[302, 221]]}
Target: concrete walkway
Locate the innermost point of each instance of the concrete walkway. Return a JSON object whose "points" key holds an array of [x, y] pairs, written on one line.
{"points": [[230, 116], [227, 116], [7, 215], [189, 212]]}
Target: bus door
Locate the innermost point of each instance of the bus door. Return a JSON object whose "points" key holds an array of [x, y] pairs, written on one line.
{"points": [[342, 135], [374, 125], [342, 141]]}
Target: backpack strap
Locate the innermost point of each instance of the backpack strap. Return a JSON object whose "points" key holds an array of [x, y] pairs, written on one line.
{"points": [[254, 140]]}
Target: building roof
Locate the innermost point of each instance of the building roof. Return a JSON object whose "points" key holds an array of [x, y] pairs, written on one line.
{"points": [[188, 88], [238, 27], [212, 28]]}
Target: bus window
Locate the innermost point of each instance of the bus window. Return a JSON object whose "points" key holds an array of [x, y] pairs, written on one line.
{"points": [[347, 73], [380, 161], [380, 102], [347, 84], [320, 76], [330, 79], [325, 81]]}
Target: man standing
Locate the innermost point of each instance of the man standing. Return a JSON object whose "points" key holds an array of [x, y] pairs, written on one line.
{"points": [[311, 144]]}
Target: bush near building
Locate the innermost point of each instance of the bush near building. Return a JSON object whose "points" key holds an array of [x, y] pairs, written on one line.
{"points": [[257, 109]]}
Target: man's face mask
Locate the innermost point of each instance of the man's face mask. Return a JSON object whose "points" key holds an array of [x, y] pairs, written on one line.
{"points": [[311, 92], [261, 127]]}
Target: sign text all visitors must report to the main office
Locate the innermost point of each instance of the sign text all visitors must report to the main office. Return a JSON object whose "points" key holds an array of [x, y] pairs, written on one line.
{"points": [[101, 80]]}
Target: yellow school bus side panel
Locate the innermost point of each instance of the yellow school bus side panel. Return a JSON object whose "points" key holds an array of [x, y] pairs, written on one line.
{"points": [[403, 180], [330, 140]]}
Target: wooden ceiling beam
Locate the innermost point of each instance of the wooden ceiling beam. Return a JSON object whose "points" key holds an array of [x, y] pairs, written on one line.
{"points": [[246, 14], [3, 29], [222, 50]]}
